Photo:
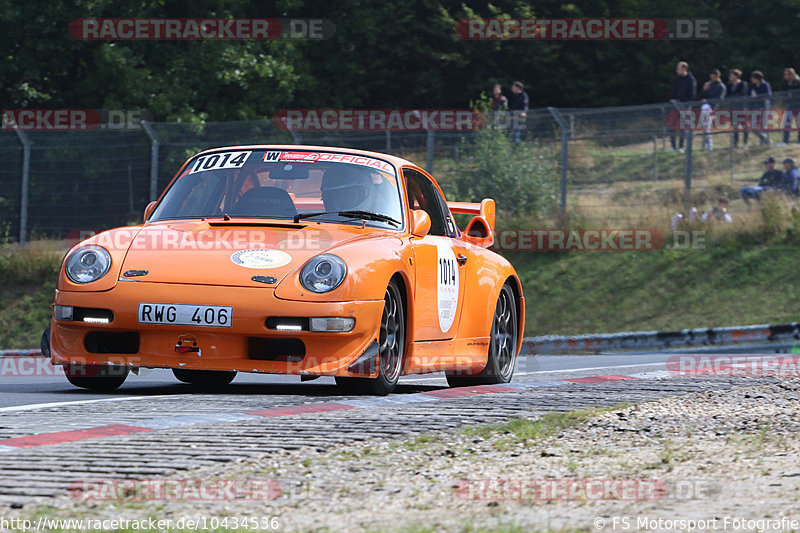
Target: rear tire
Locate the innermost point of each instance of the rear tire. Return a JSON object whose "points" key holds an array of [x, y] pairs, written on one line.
{"points": [[100, 378], [204, 378], [502, 346], [392, 345]]}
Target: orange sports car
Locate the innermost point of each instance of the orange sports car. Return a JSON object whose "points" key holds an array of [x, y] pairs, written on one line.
{"points": [[306, 260]]}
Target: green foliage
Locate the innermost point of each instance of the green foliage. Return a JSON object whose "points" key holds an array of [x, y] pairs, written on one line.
{"points": [[719, 285], [521, 178], [27, 279], [384, 53], [22, 267]]}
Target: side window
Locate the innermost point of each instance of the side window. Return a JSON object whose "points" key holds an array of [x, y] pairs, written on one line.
{"points": [[422, 194]]}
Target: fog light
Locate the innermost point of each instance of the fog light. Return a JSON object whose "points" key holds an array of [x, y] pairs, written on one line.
{"points": [[289, 327], [96, 319], [62, 312], [332, 323]]}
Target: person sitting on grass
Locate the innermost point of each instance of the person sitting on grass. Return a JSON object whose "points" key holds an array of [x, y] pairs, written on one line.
{"points": [[719, 213], [791, 177], [679, 220], [772, 179]]}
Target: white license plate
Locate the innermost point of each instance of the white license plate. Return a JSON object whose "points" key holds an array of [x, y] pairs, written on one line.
{"points": [[186, 315]]}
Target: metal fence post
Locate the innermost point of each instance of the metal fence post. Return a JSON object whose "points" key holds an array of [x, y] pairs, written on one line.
{"points": [[429, 148], [687, 137], [25, 185], [687, 171], [564, 153], [655, 158], [153, 160]]}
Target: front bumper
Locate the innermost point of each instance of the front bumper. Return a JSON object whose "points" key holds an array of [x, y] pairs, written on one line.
{"points": [[232, 348]]}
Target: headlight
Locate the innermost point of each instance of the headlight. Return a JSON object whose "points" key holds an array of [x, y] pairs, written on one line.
{"points": [[323, 273], [87, 264]]}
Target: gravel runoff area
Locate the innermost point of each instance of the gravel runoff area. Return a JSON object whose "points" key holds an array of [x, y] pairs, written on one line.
{"points": [[711, 461]]}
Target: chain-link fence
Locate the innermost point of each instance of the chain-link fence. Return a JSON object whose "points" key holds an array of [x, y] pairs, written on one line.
{"points": [[613, 158]]}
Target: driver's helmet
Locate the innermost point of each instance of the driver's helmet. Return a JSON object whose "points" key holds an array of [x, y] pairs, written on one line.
{"points": [[347, 188]]}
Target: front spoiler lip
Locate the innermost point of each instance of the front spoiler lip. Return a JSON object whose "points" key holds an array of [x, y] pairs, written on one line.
{"points": [[327, 353]]}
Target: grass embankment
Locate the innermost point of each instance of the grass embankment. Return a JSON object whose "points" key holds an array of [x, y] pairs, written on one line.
{"points": [[27, 280], [746, 273], [728, 283]]}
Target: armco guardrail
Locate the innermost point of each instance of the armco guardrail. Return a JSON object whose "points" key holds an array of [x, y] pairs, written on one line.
{"points": [[685, 338], [20, 353], [626, 340]]}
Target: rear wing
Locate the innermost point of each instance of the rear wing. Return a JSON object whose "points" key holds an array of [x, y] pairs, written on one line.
{"points": [[485, 209], [480, 230]]}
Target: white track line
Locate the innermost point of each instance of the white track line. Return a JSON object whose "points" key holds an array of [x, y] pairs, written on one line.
{"points": [[408, 379], [34, 406], [554, 371]]}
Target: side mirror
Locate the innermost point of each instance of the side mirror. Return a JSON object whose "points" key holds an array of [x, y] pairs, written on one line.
{"points": [[149, 210], [420, 223], [479, 232]]}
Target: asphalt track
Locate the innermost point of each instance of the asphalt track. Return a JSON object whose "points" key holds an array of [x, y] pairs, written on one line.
{"points": [[30, 381], [52, 434]]}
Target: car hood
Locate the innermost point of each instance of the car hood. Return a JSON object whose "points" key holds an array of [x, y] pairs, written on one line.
{"points": [[231, 253]]}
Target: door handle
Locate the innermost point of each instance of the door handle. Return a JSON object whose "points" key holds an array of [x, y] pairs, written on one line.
{"points": [[461, 259]]}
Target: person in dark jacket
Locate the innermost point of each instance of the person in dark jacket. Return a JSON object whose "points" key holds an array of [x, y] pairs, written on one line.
{"points": [[772, 179], [791, 83], [684, 89], [714, 89], [737, 88], [791, 177], [518, 105], [761, 89]]}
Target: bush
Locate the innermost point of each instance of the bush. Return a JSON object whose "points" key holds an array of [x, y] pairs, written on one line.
{"points": [[34, 267], [521, 178]]}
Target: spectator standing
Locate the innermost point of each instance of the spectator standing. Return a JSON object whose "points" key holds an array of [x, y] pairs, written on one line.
{"points": [[760, 88], [499, 107], [706, 120], [791, 83], [737, 88], [684, 89], [771, 180], [518, 104], [499, 101], [714, 89]]}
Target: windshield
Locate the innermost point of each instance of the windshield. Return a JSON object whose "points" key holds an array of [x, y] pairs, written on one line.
{"points": [[283, 184]]}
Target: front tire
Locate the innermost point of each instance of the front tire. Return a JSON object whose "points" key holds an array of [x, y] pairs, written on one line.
{"points": [[392, 345], [100, 378], [502, 345], [204, 378]]}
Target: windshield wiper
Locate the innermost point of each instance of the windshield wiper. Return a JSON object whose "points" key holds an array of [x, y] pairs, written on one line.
{"points": [[364, 215], [224, 216]]}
